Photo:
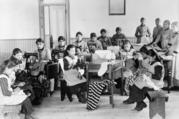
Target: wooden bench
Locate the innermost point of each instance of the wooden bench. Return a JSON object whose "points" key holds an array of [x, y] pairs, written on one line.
{"points": [[157, 101], [11, 112]]}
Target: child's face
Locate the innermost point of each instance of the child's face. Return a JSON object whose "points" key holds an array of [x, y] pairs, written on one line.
{"points": [[94, 38], [40, 45], [166, 25], [79, 37], [61, 43], [143, 22], [118, 32], [103, 34], [19, 56], [157, 22], [72, 52], [127, 47]]}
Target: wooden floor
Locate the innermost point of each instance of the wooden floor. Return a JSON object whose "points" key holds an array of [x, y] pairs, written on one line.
{"points": [[54, 108]]}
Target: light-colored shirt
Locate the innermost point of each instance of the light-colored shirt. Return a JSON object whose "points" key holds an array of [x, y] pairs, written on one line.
{"points": [[164, 38], [82, 45], [44, 54]]}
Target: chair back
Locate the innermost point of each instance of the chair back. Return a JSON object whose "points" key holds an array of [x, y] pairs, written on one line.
{"points": [[52, 70]]}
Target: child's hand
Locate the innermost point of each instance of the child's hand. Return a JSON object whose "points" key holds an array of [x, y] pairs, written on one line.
{"points": [[21, 84], [80, 76]]}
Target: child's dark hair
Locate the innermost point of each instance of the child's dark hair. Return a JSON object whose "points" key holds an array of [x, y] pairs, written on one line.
{"points": [[68, 48], [78, 33], [92, 35], [39, 40], [142, 19], [103, 31], [118, 29], [61, 38], [16, 51]]}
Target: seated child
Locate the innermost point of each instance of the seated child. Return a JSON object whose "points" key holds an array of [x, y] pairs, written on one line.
{"points": [[73, 76], [127, 54], [94, 44], [11, 96], [81, 44], [104, 39], [119, 36], [59, 50], [21, 80], [148, 77]]}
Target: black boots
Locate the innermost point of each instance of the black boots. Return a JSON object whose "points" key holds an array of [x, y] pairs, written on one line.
{"points": [[81, 97], [128, 101], [65, 90], [140, 106]]}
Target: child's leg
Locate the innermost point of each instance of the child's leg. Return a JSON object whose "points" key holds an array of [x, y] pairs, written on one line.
{"points": [[63, 89], [69, 93], [81, 92]]}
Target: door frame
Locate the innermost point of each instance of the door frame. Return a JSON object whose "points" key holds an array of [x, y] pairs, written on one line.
{"points": [[42, 6]]}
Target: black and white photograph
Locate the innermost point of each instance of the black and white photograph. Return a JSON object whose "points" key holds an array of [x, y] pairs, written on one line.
{"points": [[89, 59]]}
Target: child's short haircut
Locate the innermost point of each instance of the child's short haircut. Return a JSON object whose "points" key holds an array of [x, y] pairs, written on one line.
{"points": [[61, 38], [167, 21], [157, 19], [103, 31], [16, 51], [39, 40], [142, 19], [78, 33], [92, 35], [118, 29]]}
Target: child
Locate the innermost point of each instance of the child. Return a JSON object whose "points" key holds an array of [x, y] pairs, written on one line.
{"points": [[118, 37], [165, 36], [127, 54], [105, 41], [44, 53], [148, 77], [157, 29], [73, 76], [164, 42], [59, 50], [142, 32], [81, 44], [94, 44], [11, 96]]}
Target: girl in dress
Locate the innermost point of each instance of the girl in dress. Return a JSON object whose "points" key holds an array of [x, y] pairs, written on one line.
{"points": [[74, 82], [11, 96]]}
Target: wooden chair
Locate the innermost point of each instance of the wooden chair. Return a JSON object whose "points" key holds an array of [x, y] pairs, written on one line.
{"points": [[112, 73], [52, 71]]}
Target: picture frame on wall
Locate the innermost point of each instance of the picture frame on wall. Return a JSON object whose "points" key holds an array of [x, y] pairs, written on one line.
{"points": [[117, 7]]}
